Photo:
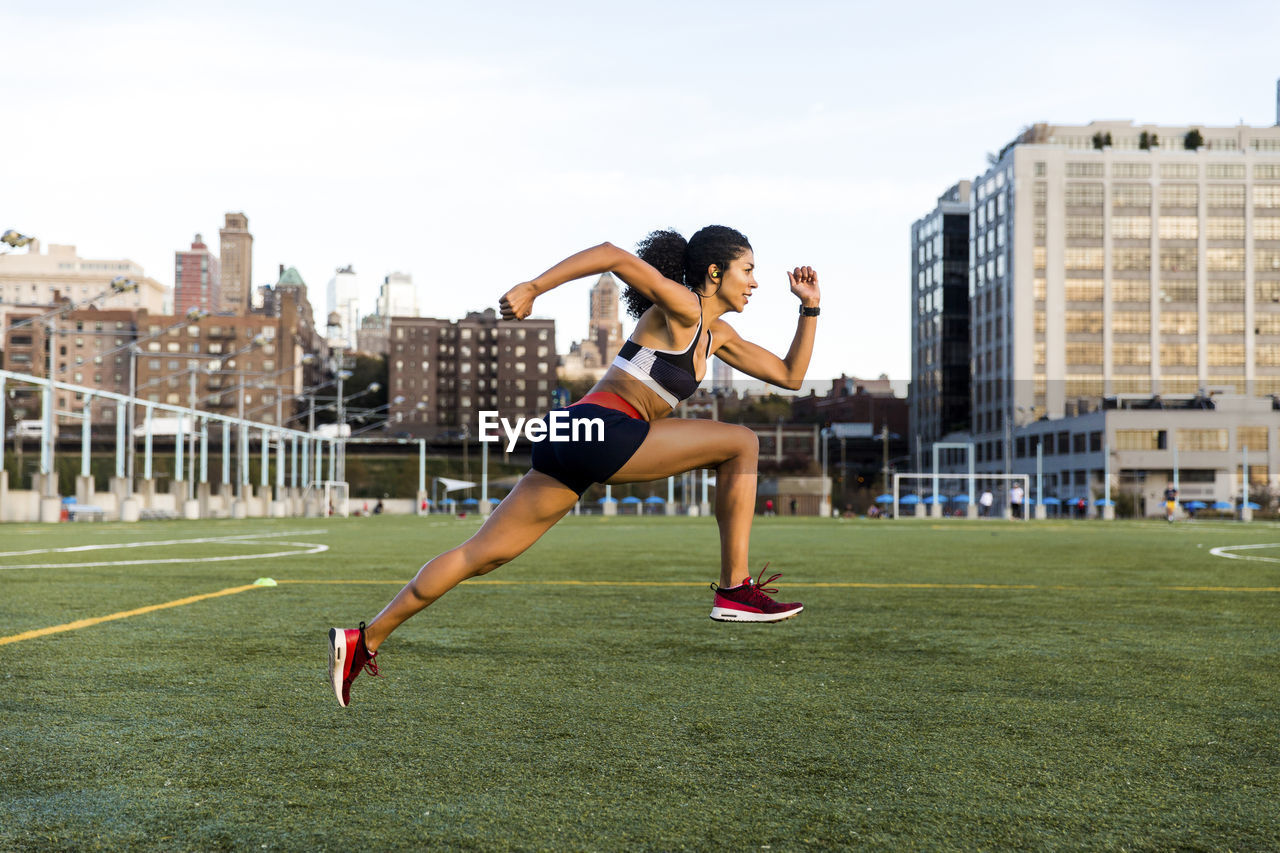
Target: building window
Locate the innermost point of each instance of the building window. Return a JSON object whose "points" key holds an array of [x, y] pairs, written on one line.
{"points": [[1130, 260], [1084, 195], [1226, 260], [1253, 437], [1131, 354], [1179, 195], [1179, 228], [1131, 227], [1082, 258], [1266, 196], [1180, 171], [1226, 323], [1084, 352], [1178, 291], [1140, 439], [1084, 321], [1226, 355], [1084, 227], [1179, 260], [1225, 171], [1202, 439], [1131, 195], [1178, 322]]}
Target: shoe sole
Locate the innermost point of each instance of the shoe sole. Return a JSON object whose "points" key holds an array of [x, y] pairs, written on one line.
{"points": [[724, 614], [337, 661]]}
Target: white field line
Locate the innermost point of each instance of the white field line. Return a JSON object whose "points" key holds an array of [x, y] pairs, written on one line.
{"points": [[303, 548], [149, 543], [1225, 551]]}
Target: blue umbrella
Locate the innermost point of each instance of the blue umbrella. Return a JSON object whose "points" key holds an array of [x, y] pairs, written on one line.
{"points": [[494, 501], [1217, 505], [885, 499], [960, 499], [629, 499], [471, 502], [1103, 502], [1051, 501], [935, 499], [1252, 505], [909, 499], [1203, 505], [654, 499], [608, 500]]}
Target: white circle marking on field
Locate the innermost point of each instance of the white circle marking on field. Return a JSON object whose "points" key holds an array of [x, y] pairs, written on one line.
{"points": [[1226, 551], [301, 549]]}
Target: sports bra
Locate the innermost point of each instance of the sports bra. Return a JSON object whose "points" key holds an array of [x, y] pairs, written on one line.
{"points": [[668, 373]]}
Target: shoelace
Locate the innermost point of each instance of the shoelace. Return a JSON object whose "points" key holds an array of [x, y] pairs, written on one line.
{"points": [[370, 665], [759, 589]]}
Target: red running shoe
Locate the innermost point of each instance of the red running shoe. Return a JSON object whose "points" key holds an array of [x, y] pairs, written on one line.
{"points": [[748, 602], [348, 654]]}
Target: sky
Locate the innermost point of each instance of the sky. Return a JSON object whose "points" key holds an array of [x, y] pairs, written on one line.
{"points": [[475, 145]]}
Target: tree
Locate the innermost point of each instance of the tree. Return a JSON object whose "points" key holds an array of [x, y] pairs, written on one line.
{"points": [[1193, 140], [1147, 141], [1101, 140]]}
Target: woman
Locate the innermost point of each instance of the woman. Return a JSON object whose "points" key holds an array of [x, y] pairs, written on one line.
{"points": [[680, 292]]}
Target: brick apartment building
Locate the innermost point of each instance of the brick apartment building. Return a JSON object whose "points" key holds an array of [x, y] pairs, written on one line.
{"points": [[447, 371]]}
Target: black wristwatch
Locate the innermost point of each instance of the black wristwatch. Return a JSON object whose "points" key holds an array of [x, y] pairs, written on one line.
{"points": [[810, 312]]}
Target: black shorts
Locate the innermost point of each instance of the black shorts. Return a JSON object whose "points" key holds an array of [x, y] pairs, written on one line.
{"points": [[580, 463]]}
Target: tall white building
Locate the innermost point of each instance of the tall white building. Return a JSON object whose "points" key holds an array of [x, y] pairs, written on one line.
{"points": [[399, 298], [1113, 259], [343, 297]]}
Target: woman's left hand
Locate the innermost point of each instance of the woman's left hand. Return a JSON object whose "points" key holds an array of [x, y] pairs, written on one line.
{"points": [[804, 284]]}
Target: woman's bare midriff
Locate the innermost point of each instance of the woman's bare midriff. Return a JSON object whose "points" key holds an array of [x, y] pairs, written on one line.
{"points": [[616, 381]]}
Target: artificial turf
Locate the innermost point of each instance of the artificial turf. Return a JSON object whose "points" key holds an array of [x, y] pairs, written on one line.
{"points": [[950, 685]]}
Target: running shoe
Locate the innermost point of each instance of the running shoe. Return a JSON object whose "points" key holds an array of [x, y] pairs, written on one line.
{"points": [[749, 602], [348, 655]]}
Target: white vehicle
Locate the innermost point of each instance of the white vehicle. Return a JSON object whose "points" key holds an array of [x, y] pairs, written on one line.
{"points": [[332, 431], [166, 426], [30, 429]]}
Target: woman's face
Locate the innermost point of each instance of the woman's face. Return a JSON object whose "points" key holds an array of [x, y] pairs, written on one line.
{"points": [[737, 282]]}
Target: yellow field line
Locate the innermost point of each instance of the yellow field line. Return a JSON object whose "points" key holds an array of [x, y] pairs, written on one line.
{"points": [[824, 585], [98, 620]]}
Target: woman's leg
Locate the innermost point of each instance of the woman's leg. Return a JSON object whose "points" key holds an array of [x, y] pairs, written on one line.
{"points": [[534, 505], [674, 446]]}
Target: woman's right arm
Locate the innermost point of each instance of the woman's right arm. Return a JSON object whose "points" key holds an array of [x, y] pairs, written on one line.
{"points": [[676, 299]]}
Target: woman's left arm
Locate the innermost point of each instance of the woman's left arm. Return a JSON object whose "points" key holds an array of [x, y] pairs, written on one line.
{"points": [[755, 360]]}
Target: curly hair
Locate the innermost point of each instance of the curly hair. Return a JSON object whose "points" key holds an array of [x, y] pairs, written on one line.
{"points": [[685, 262]]}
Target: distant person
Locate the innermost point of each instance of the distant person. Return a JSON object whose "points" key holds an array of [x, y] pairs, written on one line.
{"points": [[377, 508], [873, 511], [793, 506], [1170, 502], [768, 507], [680, 292], [985, 502], [1015, 500]]}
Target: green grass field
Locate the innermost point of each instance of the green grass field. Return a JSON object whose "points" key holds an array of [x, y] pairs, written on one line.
{"points": [[957, 685]]}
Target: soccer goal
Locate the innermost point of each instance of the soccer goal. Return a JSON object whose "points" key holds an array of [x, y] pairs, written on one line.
{"points": [[335, 496], [975, 495]]}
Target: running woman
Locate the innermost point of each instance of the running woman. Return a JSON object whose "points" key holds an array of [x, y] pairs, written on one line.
{"points": [[680, 292]]}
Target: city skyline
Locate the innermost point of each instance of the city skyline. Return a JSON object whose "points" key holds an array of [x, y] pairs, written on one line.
{"points": [[473, 152]]}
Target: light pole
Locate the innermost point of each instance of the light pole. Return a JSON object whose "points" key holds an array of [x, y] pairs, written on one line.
{"points": [[337, 344]]}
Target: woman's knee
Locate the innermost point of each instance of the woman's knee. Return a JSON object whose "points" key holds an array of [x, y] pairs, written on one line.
{"points": [[745, 442], [481, 561]]}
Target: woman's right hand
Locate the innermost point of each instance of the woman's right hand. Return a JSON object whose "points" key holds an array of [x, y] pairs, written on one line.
{"points": [[517, 303]]}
